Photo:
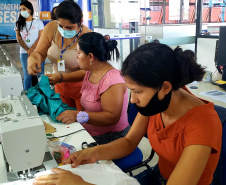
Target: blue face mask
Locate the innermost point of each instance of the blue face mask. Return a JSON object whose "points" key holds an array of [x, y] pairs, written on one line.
{"points": [[66, 33], [24, 14]]}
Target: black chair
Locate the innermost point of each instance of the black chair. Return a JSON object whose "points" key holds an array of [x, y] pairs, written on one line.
{"points": [[219, 176]]}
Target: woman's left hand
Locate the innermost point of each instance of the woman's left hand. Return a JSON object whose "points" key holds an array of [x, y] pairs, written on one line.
{"points": [[68, 116], [61, 177], [54, 78]]}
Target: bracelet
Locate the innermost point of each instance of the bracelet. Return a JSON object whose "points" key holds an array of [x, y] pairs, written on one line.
{"points": [[82, 117], [61, 78]]}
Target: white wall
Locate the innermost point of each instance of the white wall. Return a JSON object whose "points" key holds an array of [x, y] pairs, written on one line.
{"points": [[166, 31], [206, 53], [35, 5], [171, 31], [155, 31]]}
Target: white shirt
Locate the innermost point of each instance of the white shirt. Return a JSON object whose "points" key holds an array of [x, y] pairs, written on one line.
{"points": [[33, 33]]}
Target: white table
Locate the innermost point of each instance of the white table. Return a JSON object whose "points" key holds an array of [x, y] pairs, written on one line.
{"points": [[75, 139], [206, 86]]}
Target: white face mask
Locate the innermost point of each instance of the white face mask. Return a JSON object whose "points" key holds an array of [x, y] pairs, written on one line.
{"points": [[24, 14]]}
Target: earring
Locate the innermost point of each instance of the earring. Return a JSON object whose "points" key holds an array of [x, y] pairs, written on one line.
{"points": [[90, 63]]}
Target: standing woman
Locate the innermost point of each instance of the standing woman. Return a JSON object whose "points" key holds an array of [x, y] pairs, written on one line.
{"points": [[28, 32], [59, 43]]}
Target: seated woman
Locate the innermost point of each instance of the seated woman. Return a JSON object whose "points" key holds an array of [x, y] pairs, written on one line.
{"points": [[184, 131], [104, 92]]}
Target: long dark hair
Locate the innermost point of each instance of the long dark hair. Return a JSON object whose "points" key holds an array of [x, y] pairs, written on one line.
{"points": [[69, 10], [53, 13], [153, 63], [95, 43], [21, 22]]}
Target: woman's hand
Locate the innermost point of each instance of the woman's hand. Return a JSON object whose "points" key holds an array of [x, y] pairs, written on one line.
{"points": [[30, 50], [54, 78], [33, 66], [85, 156], [68, 116], [61, 177]]}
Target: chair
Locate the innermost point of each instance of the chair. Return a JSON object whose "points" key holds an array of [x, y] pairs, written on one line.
{"points": [[219, 177], [134, 160]]}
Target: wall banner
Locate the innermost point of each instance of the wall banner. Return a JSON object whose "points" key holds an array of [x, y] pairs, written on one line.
{"points": [[9, 12]]}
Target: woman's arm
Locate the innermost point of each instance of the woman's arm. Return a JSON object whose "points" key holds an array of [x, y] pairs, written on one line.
{"points": [[115, 149], [190, 165], [76, 76], [112, 103], [20, 40], [40, 53]]}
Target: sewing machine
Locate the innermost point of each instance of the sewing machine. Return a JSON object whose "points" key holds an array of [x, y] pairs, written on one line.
{"points": [[10, 81], [23, 139], [10, 78]]}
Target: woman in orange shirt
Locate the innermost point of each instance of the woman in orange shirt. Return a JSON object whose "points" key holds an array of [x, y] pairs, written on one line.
{"points": [[185, 131]]}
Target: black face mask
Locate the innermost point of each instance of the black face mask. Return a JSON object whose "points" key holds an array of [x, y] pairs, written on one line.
{"points": [[155, 105]]}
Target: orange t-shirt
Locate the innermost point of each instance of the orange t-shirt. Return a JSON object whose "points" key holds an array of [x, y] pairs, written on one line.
{"points": [[199, 126]]}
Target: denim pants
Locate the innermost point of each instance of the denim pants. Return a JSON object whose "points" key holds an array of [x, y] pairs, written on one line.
{"points": [[152, 176], [27, 77]]}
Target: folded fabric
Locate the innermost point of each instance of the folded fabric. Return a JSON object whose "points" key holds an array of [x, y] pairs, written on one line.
{"points": [[45, 98], [99, 174]]}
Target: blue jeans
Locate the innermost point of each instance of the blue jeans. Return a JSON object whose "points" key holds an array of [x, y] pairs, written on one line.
{"points": [[152, 176], [27, 77]]}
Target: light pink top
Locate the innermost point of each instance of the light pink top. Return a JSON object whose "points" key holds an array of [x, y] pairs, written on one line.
{"points": [[91, 101]]}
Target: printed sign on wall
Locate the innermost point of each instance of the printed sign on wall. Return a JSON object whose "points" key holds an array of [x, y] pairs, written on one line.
{"points": [[9, 12]]}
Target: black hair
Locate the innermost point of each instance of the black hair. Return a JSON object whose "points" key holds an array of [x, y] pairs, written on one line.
{"points": [[69, 10], [96, 44], [153, 63], [155, 41], [21, 22], [53, 14]]}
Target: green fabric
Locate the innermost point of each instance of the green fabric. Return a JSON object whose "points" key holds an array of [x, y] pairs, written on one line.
{"points": [[45, 98]]}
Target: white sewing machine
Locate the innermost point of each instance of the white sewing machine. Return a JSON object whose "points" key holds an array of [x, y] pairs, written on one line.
{"points": [[10, 81], [23, 139]]}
